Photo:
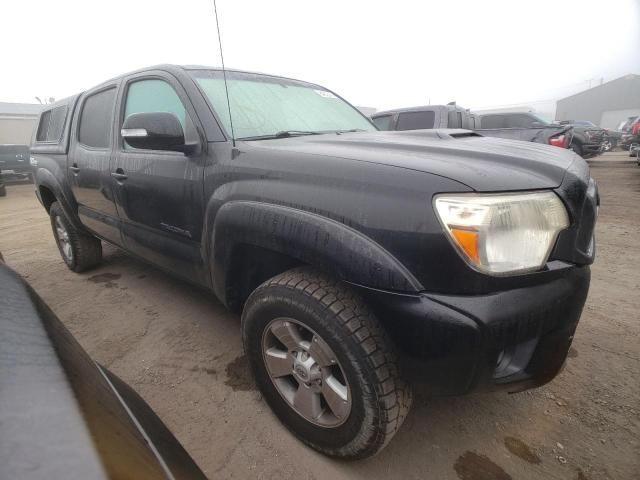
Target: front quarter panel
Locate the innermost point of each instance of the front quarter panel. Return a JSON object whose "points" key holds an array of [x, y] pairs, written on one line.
{"points": [[365, 222]]}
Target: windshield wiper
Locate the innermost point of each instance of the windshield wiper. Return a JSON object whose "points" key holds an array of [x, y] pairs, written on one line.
{"points": [[282, 134]]}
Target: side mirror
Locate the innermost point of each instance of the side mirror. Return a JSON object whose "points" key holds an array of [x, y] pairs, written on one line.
{"points": [[155, 131], [536, 124]]}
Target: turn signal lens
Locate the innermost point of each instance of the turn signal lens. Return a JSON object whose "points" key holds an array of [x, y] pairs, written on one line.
{"points": [[502, 234], [468, 241]]}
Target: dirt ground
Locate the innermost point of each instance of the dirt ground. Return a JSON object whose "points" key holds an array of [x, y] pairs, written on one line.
{"points": [[181, 351]]}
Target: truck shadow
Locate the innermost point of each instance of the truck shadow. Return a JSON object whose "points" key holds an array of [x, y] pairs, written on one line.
{"points": [[453, 437]]}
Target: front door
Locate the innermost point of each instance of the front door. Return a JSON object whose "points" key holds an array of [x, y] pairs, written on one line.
{"points": [[88, 164], [160, 193]]}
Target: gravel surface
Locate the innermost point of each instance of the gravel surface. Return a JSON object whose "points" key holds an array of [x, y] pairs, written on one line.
{"points": [[179, 348]]}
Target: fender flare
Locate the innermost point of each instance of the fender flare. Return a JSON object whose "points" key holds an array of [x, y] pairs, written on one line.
{"points": [[44, 178], [311, 238]]}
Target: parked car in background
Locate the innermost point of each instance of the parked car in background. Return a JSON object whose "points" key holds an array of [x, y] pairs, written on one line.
{"points": [[357, 257], [630, 129], [612, 141], [14, 162], [588, 139], [524, 126], [427, 117], [63, 416], [515, 126]]}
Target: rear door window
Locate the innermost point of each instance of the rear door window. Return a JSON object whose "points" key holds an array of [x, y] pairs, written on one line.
{"points": [[416, 120], [383, 122], [96, 119]]}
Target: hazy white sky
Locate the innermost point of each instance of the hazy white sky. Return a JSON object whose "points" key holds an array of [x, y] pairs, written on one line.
{"points": [[380, 54]]}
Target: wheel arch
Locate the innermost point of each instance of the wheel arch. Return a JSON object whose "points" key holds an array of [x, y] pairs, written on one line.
{"points": [[49, 190], [252, 238]]}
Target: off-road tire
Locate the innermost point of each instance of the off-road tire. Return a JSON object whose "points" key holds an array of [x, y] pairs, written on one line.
{"points": [[3, 191], [86, 249], [380, 398]]}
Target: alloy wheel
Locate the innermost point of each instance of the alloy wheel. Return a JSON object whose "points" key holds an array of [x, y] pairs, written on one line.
{"points": [[63, 240], [306, 372]]}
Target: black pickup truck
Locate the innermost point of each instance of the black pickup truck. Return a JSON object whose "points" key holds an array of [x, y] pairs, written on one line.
{"points": [[523, 126], [588, 139], [362, 261]]}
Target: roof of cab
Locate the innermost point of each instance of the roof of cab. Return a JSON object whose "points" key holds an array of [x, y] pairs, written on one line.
{"points": [[419, 109], [171, 68]]}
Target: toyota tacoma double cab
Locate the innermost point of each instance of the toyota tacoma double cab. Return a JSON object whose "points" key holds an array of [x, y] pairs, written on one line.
{"points": [[362, 262]]}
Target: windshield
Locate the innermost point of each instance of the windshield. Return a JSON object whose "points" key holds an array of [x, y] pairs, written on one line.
{"points": [[263, 106]]}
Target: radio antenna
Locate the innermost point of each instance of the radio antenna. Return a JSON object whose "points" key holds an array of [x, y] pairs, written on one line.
{"points": [[224, 74]]}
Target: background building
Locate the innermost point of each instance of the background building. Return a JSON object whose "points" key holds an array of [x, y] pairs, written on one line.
{"points": [[605, 105], [17, 121]]}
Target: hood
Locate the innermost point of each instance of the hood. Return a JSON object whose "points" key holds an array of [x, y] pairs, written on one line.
{"points": [[484, 164]]}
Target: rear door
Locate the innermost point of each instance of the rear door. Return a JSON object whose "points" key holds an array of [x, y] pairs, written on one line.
{"points": [[89, 161], [160, 193]]}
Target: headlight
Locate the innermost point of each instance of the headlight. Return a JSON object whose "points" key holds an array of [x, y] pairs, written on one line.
{"points": [[503, 233]]}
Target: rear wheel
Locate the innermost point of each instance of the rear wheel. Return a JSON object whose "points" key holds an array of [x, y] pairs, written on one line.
{"points": [[3, 190], [324, 364], [79, 250]]}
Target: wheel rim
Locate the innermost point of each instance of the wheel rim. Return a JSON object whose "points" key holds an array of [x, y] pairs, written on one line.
{"points": [[63, 240], [306, 372]]}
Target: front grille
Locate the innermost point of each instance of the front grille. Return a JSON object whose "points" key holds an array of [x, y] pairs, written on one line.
{"points": [[595, 136]]}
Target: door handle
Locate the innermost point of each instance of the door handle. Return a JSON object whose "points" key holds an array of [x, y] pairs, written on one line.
{"points": [[119, 175], [74, 168]]}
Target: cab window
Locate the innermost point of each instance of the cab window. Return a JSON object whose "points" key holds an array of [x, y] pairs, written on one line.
{"points": [[51, 125], [96, 119], [151, 96]]}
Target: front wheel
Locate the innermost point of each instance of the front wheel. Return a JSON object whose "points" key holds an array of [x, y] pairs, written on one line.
{"points": [[324, 364], [79, 250]]}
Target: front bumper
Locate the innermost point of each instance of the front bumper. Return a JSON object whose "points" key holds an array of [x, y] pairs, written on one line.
{"points": [[511, 340]]}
